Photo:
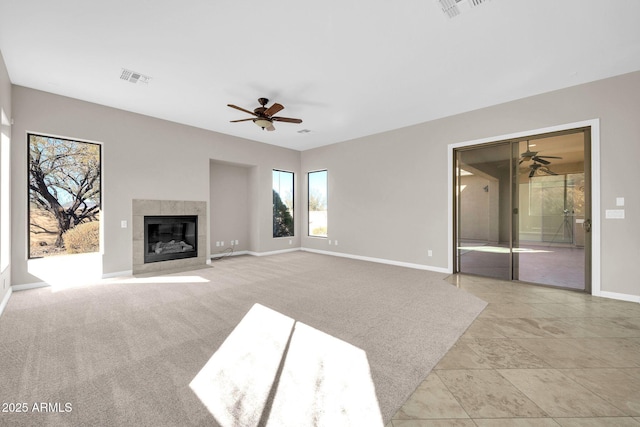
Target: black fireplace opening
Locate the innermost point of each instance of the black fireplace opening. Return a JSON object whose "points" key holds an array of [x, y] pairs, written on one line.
{"points": [[168, 237]]}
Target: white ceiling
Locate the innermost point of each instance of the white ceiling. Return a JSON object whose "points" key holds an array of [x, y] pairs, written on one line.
{"points": [[347, 68]]}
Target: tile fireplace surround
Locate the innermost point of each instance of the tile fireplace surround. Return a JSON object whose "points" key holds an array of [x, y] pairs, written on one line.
{"points": [[142, 208]]}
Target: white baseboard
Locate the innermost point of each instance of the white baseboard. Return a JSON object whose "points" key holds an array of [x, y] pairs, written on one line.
{"points": [[284, 251], [27, 286], [380, 260], [618, 296], [5, 300], [225, 254], [118, 274], [358, 257], [238, 253]]}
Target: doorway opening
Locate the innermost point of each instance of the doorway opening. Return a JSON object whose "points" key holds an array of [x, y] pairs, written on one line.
{"points": [[522, 209]]}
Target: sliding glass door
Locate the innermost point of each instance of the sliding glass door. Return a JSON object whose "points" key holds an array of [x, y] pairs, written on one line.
{"points": [[522, 210], [484, 210], [553, 206]]}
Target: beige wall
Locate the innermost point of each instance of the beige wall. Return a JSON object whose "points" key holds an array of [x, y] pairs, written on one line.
{"points": [[230, 206], [388, 192], [143, 158], [5, 128]]}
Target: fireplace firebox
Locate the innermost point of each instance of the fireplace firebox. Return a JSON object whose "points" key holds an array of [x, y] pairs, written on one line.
{"points": [[169, 237]]}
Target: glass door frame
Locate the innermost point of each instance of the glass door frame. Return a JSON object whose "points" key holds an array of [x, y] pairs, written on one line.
{"points": [[591, 130]]}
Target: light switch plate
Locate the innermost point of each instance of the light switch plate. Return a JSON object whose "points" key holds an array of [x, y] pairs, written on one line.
{"points": [[619, 201], [614, 214]]}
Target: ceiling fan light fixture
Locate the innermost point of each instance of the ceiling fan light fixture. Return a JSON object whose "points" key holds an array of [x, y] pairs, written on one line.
{"points": [[263, 123]]}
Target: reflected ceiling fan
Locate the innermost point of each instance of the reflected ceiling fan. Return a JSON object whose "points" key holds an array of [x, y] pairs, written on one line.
{"points": [[537, 167], [533, 155], [264, 117]]}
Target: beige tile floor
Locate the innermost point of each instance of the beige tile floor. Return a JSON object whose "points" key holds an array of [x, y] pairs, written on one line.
{"points": [[536, 356]]}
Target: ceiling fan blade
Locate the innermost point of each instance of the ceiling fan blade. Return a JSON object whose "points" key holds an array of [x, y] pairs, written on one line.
{"points": [[548, 172], [241, 120], [273, 109], [270, 128], [533, 172], [241, 109], [539, 160], [548, 157], [286, 119], [520, 162]]}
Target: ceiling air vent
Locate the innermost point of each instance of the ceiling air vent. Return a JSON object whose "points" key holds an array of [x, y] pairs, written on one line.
{"points": [[453, 8], [134, 77]]}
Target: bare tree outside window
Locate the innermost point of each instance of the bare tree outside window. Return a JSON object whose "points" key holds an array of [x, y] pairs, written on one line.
{"points": [[64, 196], [283, 225]]}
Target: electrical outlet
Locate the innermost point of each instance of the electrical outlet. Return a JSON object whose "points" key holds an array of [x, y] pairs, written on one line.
{"points": [[290, 242], [217, 242], [236, 242], [335, 242], [329, 241], [123, 223], [429, 252], [222, 243]]}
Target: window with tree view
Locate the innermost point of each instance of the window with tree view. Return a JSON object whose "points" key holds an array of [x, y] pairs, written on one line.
{"points": [[317, 203], [282, 203], [64, 196]]}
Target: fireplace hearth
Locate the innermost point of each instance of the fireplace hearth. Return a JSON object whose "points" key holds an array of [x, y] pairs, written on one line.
{"points": [[169, 237]]}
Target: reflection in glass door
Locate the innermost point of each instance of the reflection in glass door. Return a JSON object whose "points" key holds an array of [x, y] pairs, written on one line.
{"points": [[552, 209], [484, 210], [521, 210]]}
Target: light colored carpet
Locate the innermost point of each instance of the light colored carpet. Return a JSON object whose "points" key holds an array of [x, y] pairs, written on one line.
{"points": [[292, 339]]}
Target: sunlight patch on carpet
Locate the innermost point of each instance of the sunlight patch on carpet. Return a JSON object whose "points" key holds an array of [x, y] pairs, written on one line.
{"points": [[274, 371], [67, 271]]}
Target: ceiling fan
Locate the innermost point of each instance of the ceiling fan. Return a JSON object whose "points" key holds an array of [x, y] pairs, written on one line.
{"points": [[537, 167], [264, 117], [533, 155]]}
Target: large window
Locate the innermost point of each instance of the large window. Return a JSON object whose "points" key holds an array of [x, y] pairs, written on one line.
{"points": [[5, 166], [64, 196], [282, 203], [317, 203]]}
